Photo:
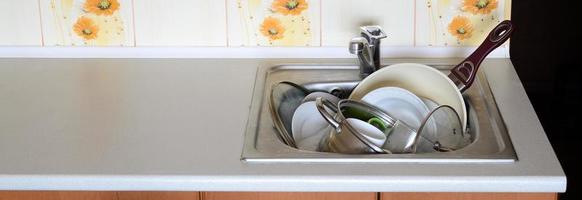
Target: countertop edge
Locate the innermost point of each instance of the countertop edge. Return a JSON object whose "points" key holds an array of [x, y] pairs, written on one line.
{"points": [[543, 184]]}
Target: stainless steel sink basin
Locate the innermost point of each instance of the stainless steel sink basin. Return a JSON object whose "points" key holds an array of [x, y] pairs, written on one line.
{"points": [[491, 143]]}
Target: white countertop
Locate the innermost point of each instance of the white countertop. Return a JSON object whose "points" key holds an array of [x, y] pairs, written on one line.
{"points": [[178, 124]]}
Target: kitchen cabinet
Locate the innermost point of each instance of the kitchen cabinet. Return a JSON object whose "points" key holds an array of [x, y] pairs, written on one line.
{"points": [[289, 195], [158, 195], [75, 195], [466, 196], [84, 195], [56, 195], [373, 196]]}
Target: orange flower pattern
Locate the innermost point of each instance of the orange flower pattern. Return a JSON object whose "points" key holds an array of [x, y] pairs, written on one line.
{"points": [[101, 7], [461, 27], [479, 6], [272, 28], [289, 7], [86, 28]]}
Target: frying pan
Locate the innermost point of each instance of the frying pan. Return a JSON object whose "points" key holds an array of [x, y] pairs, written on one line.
{"points": [[430, 83]]}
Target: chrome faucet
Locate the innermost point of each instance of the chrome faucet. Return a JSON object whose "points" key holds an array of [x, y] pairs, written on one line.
{"points": [[367, 48]]}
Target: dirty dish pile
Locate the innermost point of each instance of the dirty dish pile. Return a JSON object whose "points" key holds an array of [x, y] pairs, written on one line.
{"points": [[386, 120], [427, 82], [401, 108], [390, 120]]}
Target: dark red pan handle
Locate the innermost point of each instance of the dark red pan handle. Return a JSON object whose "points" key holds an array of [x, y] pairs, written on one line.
{"points": [[464, 73]]}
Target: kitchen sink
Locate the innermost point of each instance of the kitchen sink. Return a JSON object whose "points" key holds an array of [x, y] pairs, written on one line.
{"points": [[490, 141]]}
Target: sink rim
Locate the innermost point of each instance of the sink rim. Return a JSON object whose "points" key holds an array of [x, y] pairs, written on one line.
{"points": [[285, 153]]}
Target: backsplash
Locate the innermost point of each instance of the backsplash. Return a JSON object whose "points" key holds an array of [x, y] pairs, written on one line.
{"points": [[273, 22], [87, 23], [456, 22], [240, 23]]}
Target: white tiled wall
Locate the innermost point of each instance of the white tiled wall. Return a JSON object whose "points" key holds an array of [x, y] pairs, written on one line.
{"points": [[237, 23], [20, 23], [180, 23], [340, 20]]}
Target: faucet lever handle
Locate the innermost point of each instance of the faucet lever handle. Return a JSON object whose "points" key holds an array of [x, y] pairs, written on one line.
{"points": [[373, 33]]}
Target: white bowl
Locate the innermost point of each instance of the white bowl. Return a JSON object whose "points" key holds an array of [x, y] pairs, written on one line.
{"points": [[370, 132]]}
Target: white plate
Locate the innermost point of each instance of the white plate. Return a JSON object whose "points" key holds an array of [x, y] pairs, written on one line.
{"points": [[399, 103], [308, 126]]}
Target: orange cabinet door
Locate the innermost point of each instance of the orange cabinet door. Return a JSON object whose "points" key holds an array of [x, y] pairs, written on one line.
{"points": [[468, 196], [288, 196], [158, 195], [56, 195]]}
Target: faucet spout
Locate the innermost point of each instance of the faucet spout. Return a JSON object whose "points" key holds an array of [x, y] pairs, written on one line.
{"points": [[359, 46], [367, 48]]}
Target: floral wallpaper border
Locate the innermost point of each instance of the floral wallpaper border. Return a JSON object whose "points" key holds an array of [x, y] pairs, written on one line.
{"points": [[273, 22], [458, 22], [256, 22], [87, 22]]}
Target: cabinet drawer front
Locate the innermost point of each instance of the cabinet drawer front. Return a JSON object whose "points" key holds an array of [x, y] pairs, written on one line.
{"points": [[289, 196]]}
